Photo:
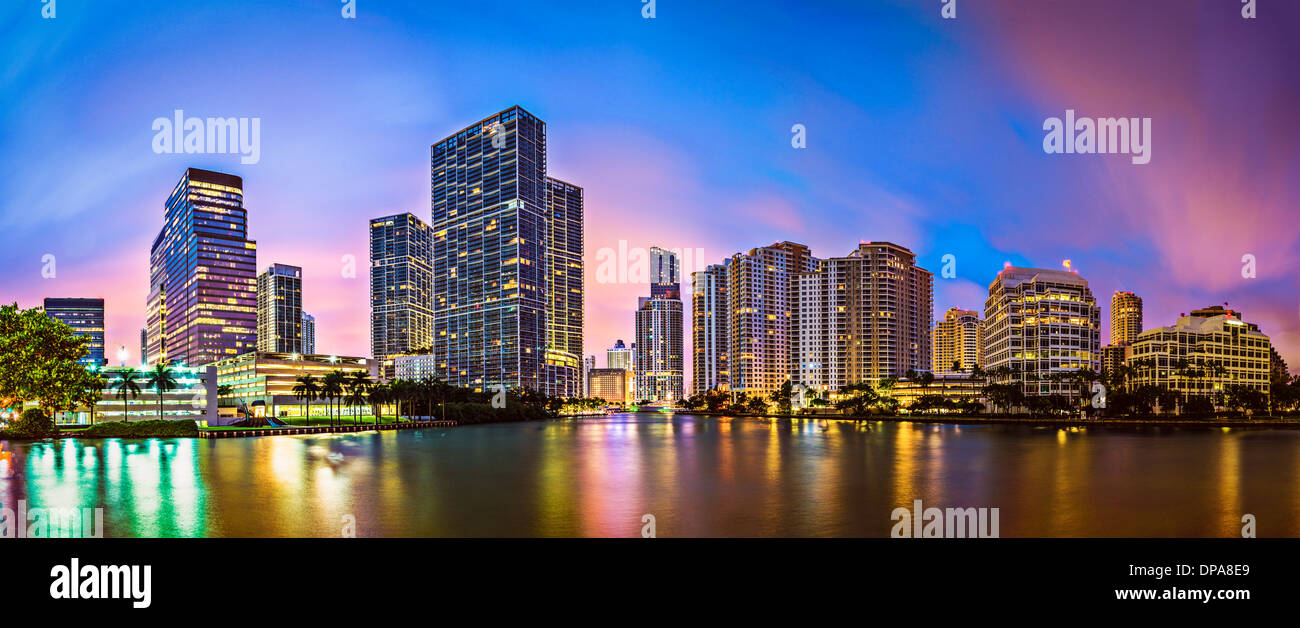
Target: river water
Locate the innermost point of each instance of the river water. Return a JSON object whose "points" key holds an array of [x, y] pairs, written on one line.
{"points": [[697, 476]]}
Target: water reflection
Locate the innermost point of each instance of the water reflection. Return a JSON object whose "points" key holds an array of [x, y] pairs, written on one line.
{"points": [[697, 476]]}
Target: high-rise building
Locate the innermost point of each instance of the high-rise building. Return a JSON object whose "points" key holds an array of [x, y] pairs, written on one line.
{"points": [[1125, 317], [709, 338], [144, 346], [659, 361], [279, 309], [401, 286], [308, 334], [619, 357], [763, 317], [564, 247], [1039, 322], [202, 304], [86, 318], [490, 207], [863, 317], [958, 340], [1208, 338], [1114, 356], [664, 267], [588, 365]]}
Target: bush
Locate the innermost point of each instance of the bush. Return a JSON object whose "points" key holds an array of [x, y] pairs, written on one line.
{"points": [[142, 429], [34, 423]]}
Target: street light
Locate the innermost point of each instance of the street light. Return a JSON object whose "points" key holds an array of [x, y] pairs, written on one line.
{"points": [[121, 354]]}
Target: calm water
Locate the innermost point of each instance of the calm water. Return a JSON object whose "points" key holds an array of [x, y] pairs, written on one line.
{"points": [[698, 476]]}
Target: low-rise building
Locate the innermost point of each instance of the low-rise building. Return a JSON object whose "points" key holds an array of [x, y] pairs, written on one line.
{"points": [[1215, 348], [612, 385], [263, 382]]}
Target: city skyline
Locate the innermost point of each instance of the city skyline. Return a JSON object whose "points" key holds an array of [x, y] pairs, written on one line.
{"points": [[1174, 231]]}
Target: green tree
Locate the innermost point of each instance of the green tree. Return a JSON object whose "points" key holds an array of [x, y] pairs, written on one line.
{"points": [[332, 388], [163, 380], [38, 360], [306, 390], [126, 386]]}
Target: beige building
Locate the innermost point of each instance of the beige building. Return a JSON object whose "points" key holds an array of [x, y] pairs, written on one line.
{"points": [[612, 385], [951, 387], [958, 338], [1208, 337], [1114, 356], [863, 317], [709, 338], [264, 381], [763, 316], [1125, 317], [1038, 322]]}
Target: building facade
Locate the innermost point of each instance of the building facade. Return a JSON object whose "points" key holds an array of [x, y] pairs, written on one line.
{"points": [[660, 375], [958, 340], [709, 337], [308, 333], [620, 357], [1125, 317], [489, 203], [1040, 322], [202, 304], [279, 309], [863, 317], [401, 286], [1209, 338], [86, 318], [612, 385], [263, 382], [762, 296], [194, 397]]}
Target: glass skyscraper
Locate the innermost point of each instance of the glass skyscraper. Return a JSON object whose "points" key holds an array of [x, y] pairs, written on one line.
{"points": [[308, 333], [86, 318], [279, 309], [660, 374], [400, 288], [202, 303], [507, 259]]}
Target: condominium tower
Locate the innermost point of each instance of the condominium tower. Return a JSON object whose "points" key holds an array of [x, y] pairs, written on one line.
{"points": [[308, 334], [863, 317], [279, 309], [709, 338], [1040, 322], [1125, 317], [86, 318], [958, 341], [762, 316], [659, 360], [401, 283], [202, 304], [502, 230]]}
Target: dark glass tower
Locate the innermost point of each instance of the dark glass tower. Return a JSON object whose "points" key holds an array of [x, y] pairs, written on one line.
{"points": [[400, 288], [86, 318], [203, 274], [279, 309], [489, 215]]}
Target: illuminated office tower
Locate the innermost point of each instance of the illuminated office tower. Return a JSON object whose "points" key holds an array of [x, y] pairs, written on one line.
{"points": [[1039, 322], [709, 337], [564, 242], [489, 205], [308, 334], [144, 346], [863, 317], [86, 318], [202, 304], [659, 372], [1125, 317], [1223, 350], [958, 339], [401, 281], [279, 309], [763, 316]]}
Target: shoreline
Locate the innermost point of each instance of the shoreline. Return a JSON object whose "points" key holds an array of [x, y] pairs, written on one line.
{"points": [[1033, 422]]}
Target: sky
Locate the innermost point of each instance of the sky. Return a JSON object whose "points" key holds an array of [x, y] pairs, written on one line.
{"points": [[920, 130]]}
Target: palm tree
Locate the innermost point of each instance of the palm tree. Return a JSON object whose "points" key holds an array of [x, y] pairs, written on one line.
{"points": [[358, 386], [379, 395], [126, 386], [332, 389], [163, 380], [307, 390]]}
